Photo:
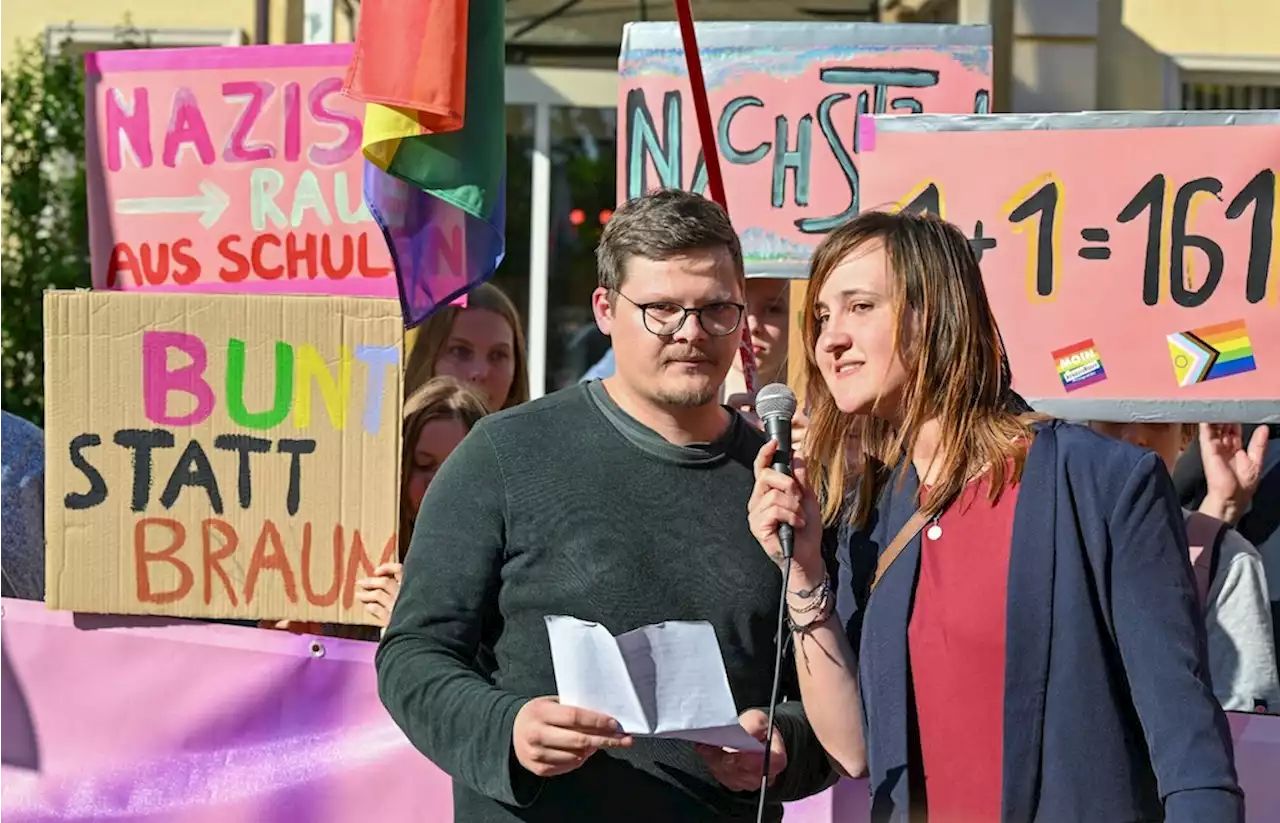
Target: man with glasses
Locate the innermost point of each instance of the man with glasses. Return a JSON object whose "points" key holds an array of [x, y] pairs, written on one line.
{"points": [[619, 502]]}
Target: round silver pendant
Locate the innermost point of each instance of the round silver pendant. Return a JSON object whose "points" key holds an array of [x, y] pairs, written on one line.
{"points": [[933, 532]]}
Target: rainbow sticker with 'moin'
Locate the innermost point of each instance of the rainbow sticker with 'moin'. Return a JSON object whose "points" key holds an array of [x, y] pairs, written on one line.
{"points": [[1211, 352], [1079, 365]]}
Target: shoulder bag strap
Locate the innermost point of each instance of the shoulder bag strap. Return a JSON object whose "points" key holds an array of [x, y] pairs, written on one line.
{"points": [[905, 535]]}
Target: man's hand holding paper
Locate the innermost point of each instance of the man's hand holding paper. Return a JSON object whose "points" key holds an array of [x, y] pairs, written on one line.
{"points": [[551, 739], [665, 680], [739, 770]]}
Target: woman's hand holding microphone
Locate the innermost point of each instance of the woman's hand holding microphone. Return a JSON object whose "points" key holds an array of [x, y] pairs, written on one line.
{"points": [[778, 499]]}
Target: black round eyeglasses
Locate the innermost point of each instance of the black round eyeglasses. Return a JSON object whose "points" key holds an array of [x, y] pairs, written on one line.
{"points": [[663, 318]]}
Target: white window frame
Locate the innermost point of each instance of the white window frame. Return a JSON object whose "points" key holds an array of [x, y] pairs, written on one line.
{"points": [[1225, 69], [543, 87]]}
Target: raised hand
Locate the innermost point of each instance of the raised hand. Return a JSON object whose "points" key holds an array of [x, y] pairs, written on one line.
{"points": [[1232, 471]]}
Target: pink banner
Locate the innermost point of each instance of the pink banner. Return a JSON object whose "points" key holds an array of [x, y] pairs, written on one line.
{"points": [[148, 719], [229, 169], [1257, 742]]}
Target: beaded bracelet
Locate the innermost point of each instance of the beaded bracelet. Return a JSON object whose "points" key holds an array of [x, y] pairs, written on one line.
{"points": [[812, 606], [804, 628], [820, 596], [823, 587]]}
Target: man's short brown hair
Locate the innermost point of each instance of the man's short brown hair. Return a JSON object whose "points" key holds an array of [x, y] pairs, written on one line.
{"points": [[660, 225]]}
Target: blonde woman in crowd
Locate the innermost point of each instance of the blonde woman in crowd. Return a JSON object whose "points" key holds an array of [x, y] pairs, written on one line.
{"points": [[482, 345], [766, 328]]}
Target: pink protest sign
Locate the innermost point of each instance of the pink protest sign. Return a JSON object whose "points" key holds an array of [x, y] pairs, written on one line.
{"points": [[1130, 258], [229, 169], [787, 99]]}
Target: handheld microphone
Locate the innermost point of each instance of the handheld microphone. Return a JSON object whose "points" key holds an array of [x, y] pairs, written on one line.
{"points": [[776, 405]]}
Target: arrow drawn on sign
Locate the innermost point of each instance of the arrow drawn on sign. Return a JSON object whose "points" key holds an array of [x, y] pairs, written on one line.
{"points": [[209, 204]]}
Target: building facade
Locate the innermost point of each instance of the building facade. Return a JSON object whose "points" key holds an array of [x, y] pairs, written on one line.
{"points": [[1076, 55]]}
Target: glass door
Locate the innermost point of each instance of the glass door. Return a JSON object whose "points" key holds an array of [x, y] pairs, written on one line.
{"points": [[561, 173]]}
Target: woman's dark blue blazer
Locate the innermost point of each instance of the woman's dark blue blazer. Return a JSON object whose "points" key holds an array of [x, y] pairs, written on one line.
{"points": [[1108, 712]]}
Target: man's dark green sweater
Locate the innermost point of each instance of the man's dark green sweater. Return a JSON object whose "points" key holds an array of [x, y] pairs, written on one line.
{"points": [[567, 505]]}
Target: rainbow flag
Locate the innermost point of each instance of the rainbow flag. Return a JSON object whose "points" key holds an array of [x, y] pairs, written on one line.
{"points": [[1211, 352], [431, 74]]}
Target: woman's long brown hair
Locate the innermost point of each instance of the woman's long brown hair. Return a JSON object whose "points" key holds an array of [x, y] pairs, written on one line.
{"points": [[434, 335], [958, 372], [442, 398]]}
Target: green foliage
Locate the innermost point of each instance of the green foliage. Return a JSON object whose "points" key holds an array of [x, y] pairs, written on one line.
{"points": [[46, 235]]}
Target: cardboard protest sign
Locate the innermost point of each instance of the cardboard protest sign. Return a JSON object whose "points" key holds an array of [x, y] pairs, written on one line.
{"points": [[1130, 258], [219, 455], [786, 99], [229, 169]]}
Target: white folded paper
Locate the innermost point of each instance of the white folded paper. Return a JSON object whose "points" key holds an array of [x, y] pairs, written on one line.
{"points": [[665, 680]]}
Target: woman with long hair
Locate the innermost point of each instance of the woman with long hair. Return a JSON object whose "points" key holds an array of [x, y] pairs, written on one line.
{"points": [[436, 418], [481, 344], [1003, 626]]}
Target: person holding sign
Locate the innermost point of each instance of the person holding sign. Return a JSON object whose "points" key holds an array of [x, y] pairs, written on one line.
{"points": [[767, 324], [766, 333], [1230, 576], [1013, 600], [617, 502], [1259, 521], [436, 418]]}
